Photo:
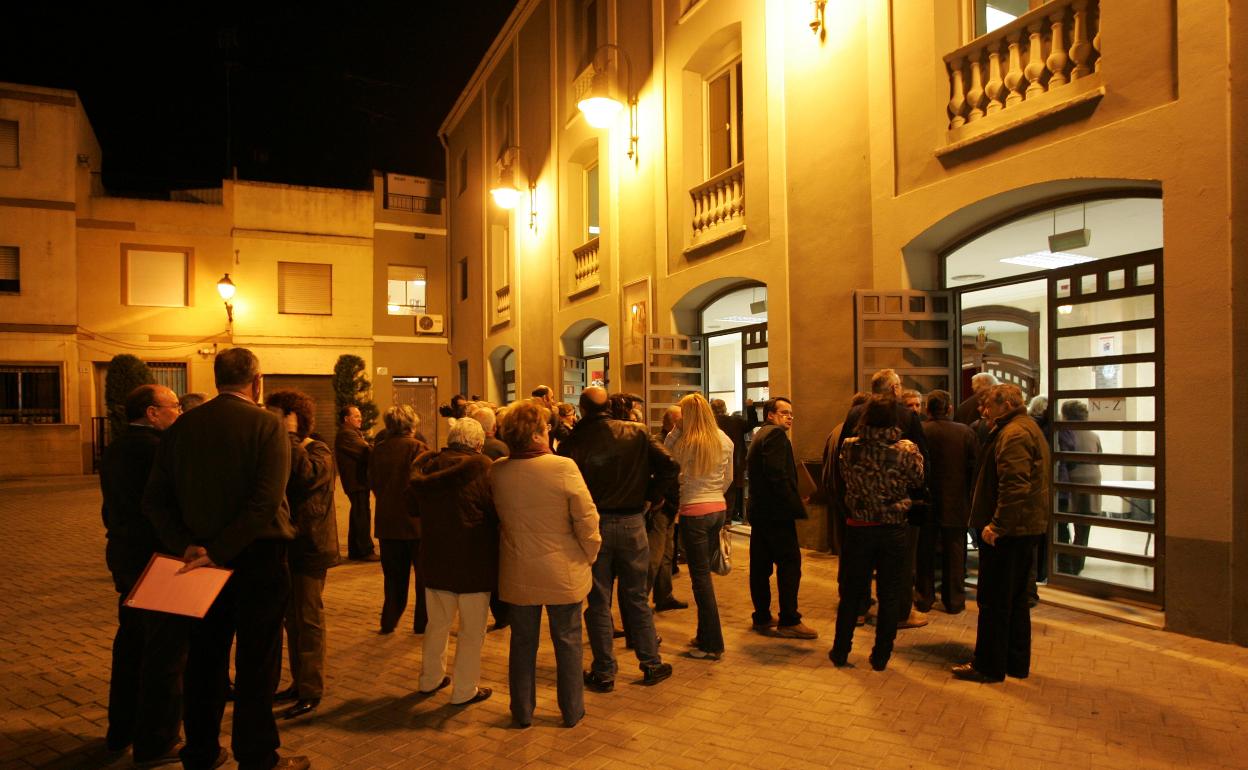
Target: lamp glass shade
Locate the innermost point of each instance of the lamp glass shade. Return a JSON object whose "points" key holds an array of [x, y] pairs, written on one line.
{"points": [[225, 287], [506, 197], [599, 111]]}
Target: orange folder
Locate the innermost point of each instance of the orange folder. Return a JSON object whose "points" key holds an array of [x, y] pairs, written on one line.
{"points": [[160, 588]]}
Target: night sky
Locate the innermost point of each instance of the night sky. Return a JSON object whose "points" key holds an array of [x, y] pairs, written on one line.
{"points": [[321, 93]]}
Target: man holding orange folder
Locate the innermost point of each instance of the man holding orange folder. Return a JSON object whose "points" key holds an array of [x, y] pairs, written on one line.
{"points": [[217, 496]]}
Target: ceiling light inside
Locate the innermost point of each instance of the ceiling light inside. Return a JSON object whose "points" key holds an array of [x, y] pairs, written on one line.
{"points": [[745, 319], [1048, 260]]}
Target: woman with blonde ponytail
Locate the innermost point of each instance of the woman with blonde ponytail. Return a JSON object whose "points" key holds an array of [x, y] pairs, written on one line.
{"points": [[705, 456]]}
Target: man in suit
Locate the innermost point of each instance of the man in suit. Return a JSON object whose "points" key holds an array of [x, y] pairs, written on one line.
{"points": [[217, 495], [968, 410], [954, 452], [351, 453], [775, 507], [149, 651]]}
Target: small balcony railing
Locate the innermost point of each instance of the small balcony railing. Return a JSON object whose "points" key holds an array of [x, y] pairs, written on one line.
{"points": [[719, 202], [1044, 51], [414, 203], [502, 303], [585, 272]]}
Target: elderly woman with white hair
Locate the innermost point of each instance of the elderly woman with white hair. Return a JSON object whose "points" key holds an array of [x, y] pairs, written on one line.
{"points": [[397, 525], [458, 557]]}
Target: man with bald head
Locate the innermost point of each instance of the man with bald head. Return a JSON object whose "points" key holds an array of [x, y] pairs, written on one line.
{"points": [[627, 472], [149, 650]]}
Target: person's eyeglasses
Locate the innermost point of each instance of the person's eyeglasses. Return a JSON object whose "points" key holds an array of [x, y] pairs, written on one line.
{"points": [[175, 405]]}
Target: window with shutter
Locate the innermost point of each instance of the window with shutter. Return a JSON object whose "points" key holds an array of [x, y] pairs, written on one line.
{"points": [[305, 288], [156, 277], [8, 144], [10, 270]]}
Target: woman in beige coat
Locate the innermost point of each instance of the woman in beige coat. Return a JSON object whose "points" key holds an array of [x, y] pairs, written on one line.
{"points": [[548, 541]]}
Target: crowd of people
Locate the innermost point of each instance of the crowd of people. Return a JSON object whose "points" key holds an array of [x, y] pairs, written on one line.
{"points": [[540, 505]]}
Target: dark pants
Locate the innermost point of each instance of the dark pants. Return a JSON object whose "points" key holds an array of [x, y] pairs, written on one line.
{"points": [[871, 549], [1067, 563], [359, 525], [305, 634], [925, 557], [499, 609], [399, 561], [953, 569], [145, 689], [624, 555], [250, 608], [698, 535], [905, 596], [659, 530], [1003, 645], [565, 633], [774, 543], [735, 499]]}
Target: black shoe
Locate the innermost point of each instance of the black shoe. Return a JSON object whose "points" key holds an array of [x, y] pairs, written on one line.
{"points": [[878, 662], [656, 674], [483, 693], [499, 626], [670, 603], [599, 683], [287, 695], [304, 706], [968, 672], [383, 630], [616, 633], [170, 756], [1022, 675], [445, 681], [839, 659]]}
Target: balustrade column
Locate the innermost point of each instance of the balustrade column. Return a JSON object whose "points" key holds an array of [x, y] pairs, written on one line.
{"points": [[976, 93], [957, 102], [1035, 61], [994, 87], [1057, 49], [1096, 40], [1014, 76], [1080, 48]]}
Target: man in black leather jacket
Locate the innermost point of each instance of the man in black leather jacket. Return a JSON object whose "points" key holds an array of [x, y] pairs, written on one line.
{"points": [[626, 470]]}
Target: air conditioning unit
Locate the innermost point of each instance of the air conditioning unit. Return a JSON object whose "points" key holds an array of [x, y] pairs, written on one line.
{"points": [[427, 323]]}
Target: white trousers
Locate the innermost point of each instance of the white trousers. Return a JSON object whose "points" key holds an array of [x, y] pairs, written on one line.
{"points": [[474, 610]]}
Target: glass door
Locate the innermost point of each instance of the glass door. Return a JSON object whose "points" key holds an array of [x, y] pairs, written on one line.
{"points": [[1105, 354]]}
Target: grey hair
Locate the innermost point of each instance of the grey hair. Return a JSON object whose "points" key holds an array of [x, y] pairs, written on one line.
{"points": [[1008, 394], [466, 431], [884, 381], [983, 381], [1038, 406], [234, 367], [484, 415], [402, 420]]}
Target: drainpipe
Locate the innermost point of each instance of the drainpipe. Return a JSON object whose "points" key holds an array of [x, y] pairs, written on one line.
{"points": [[450, 279]]}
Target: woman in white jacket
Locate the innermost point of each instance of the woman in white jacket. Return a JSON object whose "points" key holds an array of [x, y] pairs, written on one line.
{"points": [[548, 541], [705, 456]]}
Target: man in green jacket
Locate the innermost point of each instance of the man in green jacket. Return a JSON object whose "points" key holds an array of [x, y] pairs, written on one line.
{"points": [[217, 495], [1011, 508]]}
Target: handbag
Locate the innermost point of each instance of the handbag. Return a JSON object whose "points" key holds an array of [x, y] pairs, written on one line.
{"points": [[721, 557]]}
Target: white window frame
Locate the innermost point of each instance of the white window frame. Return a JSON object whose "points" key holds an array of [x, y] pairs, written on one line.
{"points": [[593, 166], [128, 273], [408, 309]]}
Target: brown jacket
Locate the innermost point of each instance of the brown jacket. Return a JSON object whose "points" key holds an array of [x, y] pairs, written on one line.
{"points": [[310, 493], [549, 530], [1012, 483], [389, 475], [458, 523], [954, 451], [351, 450]]}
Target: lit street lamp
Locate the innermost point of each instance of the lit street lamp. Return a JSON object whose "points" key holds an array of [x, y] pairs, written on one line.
{"points": [[226, 288]]}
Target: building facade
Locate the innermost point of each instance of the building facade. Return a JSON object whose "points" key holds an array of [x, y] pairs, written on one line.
{"points": [[85, 276], [794, 194]]}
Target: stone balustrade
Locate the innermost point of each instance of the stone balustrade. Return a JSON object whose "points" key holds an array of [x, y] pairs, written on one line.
{"points": [[502, 303], [1039, 52], [719, 200], [585, 272]]}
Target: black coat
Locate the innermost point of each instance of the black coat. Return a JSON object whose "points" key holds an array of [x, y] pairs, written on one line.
{"points": [[310, 493], [773, 477], [623, 465], [735, 429], [123, 474], [967, 411], [351, 451], [389, 475], [953, 450], [459, 526]]}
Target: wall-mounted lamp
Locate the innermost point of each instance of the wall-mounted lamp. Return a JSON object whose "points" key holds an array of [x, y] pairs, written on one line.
{"points": [[600, 101], [505, 191], [226, 288], [818, 24]]}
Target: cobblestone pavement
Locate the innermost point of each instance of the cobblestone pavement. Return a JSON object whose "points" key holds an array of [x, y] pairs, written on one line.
{"points": [[1101, 693]]}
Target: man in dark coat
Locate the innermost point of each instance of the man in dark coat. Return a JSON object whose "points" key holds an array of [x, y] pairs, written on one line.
{"points": [[953, 451], [968, 410], [1011, 505], [310, 495], [397, 524], [626, 470], [775, 507], [351, 451], [886, 382], [149, 651], [217, 495], [458, 557], [734, 427]]}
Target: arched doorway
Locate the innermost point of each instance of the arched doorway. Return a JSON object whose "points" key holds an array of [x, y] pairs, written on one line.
{"points": [[586, 358], [1065, 301], [502, 375], [733, 328]]}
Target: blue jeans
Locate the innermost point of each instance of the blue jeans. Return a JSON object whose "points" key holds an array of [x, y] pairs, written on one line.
{"points": [[565, 633], [624, 555], [698, 535]]}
